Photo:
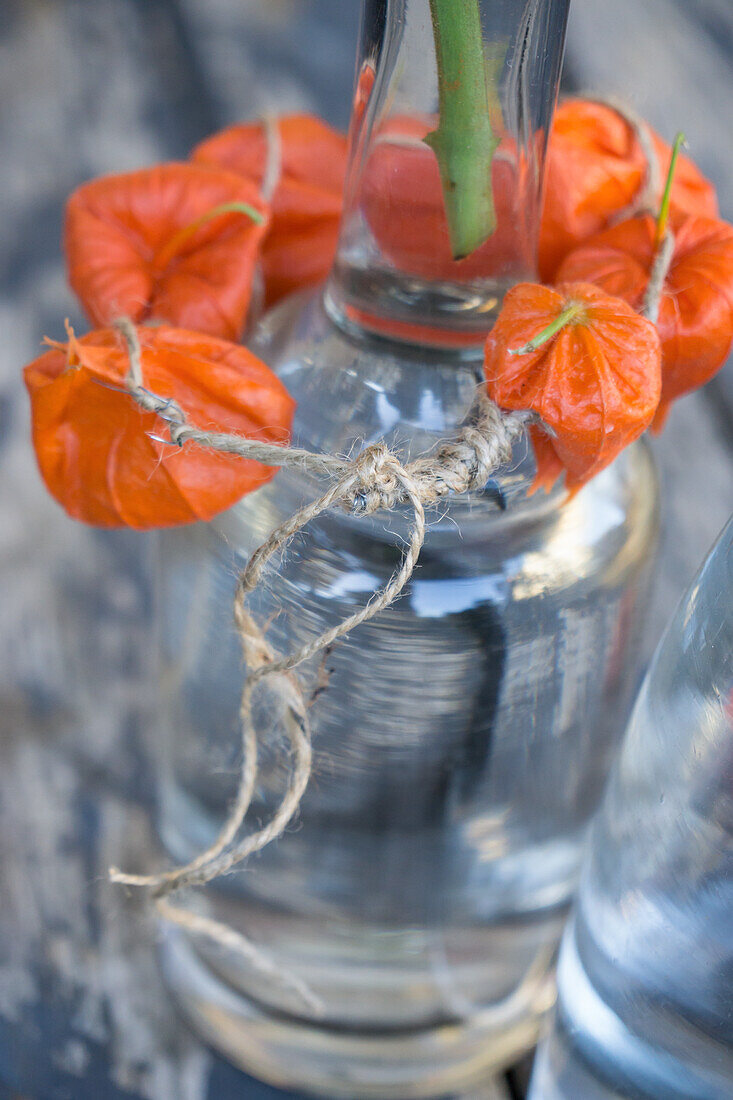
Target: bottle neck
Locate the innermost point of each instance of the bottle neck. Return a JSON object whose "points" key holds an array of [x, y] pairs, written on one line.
{"points": [[452, 106]]}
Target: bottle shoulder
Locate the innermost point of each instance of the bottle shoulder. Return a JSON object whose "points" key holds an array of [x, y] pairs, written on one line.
{"points": [[352, 391], [351, 394]]}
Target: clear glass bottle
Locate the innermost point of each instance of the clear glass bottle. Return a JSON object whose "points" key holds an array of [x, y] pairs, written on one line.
{"points": [[645, 1009], [463, 736]]}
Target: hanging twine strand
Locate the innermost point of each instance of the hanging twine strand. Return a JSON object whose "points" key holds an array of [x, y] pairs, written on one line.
{"points": [[657, 276], [273, 157], [269, 183]]}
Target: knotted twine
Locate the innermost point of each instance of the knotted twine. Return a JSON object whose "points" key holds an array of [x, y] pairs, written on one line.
{"points": [[376, 479]]}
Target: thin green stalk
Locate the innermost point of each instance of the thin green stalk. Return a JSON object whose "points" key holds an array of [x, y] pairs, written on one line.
{"points": [[679, 141], [571, 311], [171, 248], [464, 141]]}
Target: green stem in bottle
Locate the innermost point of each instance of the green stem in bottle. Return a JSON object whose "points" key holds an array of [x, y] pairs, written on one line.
{"points": [[464, 142], [663, 216], [571, 311]]}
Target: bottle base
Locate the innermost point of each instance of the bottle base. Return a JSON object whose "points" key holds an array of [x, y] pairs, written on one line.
{"points": [[291, 1054]]}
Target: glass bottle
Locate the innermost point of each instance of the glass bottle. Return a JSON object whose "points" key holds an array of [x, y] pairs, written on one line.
{"points": [[645, 1008], [462, 737]]}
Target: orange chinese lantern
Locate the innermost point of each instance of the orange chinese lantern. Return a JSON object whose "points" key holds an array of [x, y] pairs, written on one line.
{"points": [[176, 242], [595, 169], [548, 466], [404, 206], [309, 159], [94, 444], [695, 319], [585, 362]]}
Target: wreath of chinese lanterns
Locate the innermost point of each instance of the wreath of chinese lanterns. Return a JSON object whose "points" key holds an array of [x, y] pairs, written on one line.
{"points": [[179, 248]]}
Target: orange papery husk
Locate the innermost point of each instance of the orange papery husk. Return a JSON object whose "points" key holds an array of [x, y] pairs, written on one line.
{"points": [[404, 208], [595, 384], [134, 247], [306, 204], [696, 307], [94, 444], [549, 468], [595, 170]]}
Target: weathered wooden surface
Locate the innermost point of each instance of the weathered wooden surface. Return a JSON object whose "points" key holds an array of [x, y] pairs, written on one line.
{"points": [[89, 88]]}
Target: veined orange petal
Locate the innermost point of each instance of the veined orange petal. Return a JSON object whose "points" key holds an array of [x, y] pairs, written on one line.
{"points": [[596, 383], [93, 442], [119, 234], [696, 311]]}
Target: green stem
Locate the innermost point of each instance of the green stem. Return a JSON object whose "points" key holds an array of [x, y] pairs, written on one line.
{"points": [[679, 141], [571, 311], [173, 246], [464, 141]]}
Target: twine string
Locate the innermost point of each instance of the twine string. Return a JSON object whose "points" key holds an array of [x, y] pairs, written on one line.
{"points": [[273, 157], [453, 466], [657, 276], [271, 176]]}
